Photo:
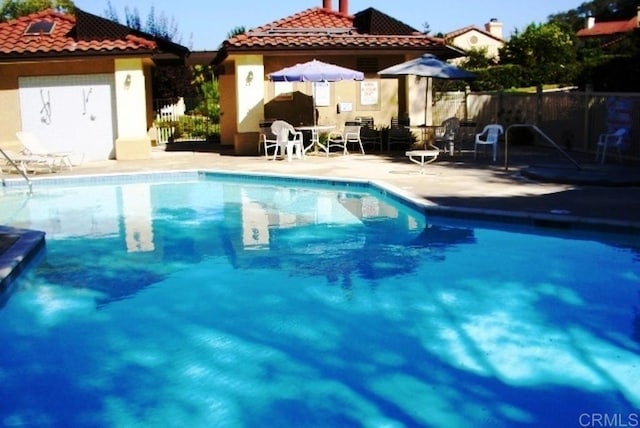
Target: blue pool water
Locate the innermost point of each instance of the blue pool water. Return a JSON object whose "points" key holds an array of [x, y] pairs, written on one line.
{"points": [[218, 302]]}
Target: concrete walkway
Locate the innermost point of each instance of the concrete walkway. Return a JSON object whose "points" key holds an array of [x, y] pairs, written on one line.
{"points": [[459, 181]]}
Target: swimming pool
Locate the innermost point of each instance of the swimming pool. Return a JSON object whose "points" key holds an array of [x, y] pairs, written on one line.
{"points": [[211, 300]]}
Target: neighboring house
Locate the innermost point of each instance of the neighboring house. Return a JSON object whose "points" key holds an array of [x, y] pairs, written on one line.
{"points": [[80, 82], [610, 32], [367, 41], [473, 38]]}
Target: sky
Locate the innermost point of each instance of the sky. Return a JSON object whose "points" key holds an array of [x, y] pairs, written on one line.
{"points": [[205, 24]]}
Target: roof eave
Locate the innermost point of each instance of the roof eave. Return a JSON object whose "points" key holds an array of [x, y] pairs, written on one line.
{"points": [[47, 56]]}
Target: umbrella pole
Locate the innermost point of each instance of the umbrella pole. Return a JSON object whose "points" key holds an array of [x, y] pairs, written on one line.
{"points": [[315, 136], [428, 111], [426, 100]]}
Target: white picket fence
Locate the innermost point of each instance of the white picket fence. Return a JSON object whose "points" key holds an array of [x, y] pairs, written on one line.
{"points": [[169, 113]]}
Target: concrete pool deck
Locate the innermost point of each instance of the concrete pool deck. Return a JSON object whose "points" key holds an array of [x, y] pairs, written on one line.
{"points": [[602, 197], [603, 193]]}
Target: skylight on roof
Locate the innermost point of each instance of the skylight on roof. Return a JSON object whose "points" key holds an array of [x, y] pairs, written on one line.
{"points": [[39, 27]]}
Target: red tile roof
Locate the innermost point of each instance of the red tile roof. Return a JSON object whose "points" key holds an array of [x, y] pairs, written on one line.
{"points": [[609, 28], [81, 34], [319, 28]]}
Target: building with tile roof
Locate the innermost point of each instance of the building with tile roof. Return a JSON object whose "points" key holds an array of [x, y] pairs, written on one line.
{"points": [[608, 33], [80, 82], [472, 37], [367, 41]]}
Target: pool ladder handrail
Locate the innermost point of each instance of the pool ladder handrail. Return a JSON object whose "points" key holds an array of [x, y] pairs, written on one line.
{"points": [[20, 171], [543, 135]]}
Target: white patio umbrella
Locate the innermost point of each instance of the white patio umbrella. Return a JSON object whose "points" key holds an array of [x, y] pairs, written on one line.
{"points": [[429, 66], [315, 71]]}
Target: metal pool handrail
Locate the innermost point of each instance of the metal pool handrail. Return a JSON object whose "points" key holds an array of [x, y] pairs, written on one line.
{"points": [[543, 135], [20, 171]]}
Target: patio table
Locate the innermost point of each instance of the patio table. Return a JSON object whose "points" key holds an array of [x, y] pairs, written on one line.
{"points": [[315, 136], [427, 133]]}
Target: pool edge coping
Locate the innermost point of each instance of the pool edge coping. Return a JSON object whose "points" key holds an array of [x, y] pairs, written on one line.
{"points": [[525, 217], [19, 254], [30, 242]]}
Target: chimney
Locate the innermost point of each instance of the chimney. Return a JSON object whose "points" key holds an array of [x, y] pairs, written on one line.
{"points": [[326, 4], [344, 7], [494, 28], [591, 21]]}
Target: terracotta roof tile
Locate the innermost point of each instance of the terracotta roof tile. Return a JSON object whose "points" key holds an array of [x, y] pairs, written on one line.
{"points": [[63, 39], [315, 17], [609, 28], [320, 28]]}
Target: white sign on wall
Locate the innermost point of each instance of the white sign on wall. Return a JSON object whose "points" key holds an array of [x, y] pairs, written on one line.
{"points": [[369, 93], [322, 94]]}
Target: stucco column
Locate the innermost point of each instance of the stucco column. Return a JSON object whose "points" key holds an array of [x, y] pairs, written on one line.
{"points": [[250, 94], [132, 141]]}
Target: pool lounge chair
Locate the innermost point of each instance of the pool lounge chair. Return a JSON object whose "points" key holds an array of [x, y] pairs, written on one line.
{"points": [[33, 164], [33, 148]]}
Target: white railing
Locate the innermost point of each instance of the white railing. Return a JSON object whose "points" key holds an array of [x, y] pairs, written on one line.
{"points": [[169, 113], [20, 171]]}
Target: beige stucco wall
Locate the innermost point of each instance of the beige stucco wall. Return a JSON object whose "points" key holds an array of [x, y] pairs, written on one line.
{"points": [[465, 42], [134, 106], [246, 101]]}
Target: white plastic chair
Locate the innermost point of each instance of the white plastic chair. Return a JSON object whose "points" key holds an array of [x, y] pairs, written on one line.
{"points": [[350, 134], [285, 144], [267, 139], [606, 141], [446, 134], [488, 137]]}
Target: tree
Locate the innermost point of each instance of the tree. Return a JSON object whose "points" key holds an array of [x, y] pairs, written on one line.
{"points": [[156, 24], [11, 9], [601, 10], [235, 31], [168, 81], [546, 51], [478, 58]]}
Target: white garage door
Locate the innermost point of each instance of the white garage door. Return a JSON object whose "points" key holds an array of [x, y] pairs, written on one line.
{"points": [[72, 113]]}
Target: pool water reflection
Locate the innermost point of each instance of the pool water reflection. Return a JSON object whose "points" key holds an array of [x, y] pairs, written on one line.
{"points": [[221, 302]]}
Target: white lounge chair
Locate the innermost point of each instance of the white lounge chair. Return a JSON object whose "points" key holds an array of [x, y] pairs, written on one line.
{"points": [[9, 161], [33, 147]]}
